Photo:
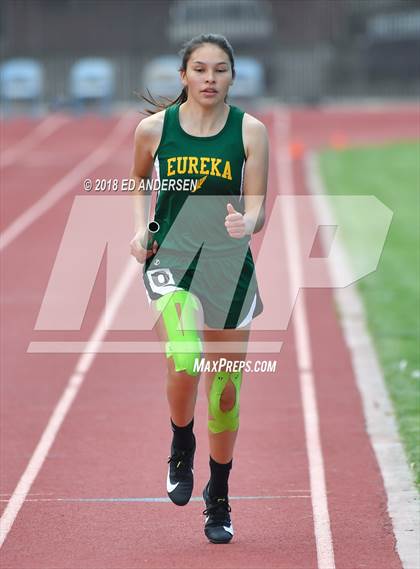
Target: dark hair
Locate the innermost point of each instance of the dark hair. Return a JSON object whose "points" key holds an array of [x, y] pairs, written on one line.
{"points": [[185, 54]]}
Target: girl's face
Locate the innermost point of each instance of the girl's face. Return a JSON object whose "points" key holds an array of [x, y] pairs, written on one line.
{"points": [[208, 75]]}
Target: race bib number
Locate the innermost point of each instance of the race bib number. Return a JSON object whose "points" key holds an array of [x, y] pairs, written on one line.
{"points": [[161, 281]]}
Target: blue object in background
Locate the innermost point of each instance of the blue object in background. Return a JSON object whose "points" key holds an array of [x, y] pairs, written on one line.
{"points": [[161, 76], [249, 80], [21, 82], [92, 79]]}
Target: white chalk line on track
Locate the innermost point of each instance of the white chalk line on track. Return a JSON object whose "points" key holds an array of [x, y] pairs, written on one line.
{"points": [[39, 133], [322, 527], [402, 496], [66, 400], [73, 178], [127, 347], [156, 500]]}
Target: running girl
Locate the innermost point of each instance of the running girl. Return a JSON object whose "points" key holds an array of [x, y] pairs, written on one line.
{"points": [[198, 267]]}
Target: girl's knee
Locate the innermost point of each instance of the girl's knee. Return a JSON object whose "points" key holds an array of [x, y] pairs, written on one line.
{"points": [[228, 397], [181, 379]]}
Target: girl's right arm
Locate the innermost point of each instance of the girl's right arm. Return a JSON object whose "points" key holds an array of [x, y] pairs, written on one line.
{"points": [[146, 140]]}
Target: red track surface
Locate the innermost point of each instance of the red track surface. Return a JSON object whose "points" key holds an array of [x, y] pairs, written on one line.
{"points": [[114, 441]]}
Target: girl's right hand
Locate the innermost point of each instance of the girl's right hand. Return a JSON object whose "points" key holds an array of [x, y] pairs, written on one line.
{"points": [[139, 246]]}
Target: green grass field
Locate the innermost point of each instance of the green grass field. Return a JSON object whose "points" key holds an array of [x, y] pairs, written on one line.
{"points": [[391, 294]]}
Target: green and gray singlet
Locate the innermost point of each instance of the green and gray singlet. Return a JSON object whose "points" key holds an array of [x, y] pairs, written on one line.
{"points": [[197, 177]]}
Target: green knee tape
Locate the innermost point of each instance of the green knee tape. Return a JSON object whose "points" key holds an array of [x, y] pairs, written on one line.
{"points": [[224, 420], [184, 345]]}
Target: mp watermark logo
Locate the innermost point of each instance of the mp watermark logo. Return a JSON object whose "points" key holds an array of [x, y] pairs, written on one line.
{"points": [[86, 244]]}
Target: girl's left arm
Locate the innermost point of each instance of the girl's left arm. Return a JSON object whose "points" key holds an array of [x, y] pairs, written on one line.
{"points": [[254, 182]]}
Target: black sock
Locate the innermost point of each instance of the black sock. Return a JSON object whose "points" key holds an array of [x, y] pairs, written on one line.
{"points": [[219, 475], [183, 438]]}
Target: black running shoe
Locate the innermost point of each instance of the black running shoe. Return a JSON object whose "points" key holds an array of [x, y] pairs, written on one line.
{"points": [[218, 526], [180, 478]]}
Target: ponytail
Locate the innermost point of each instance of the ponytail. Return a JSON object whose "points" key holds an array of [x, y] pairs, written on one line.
{"points": [[163, 102]]}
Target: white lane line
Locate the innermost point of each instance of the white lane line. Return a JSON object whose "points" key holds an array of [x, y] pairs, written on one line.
{"points": [[127, 347], [64, 404], [154, 500], [73, 178], [402, 496], [322, 527], [293, 491], [37, 135], [31, 494]]}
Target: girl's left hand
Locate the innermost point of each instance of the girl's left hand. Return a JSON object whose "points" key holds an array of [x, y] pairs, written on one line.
{"points": [[235, 223]]}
